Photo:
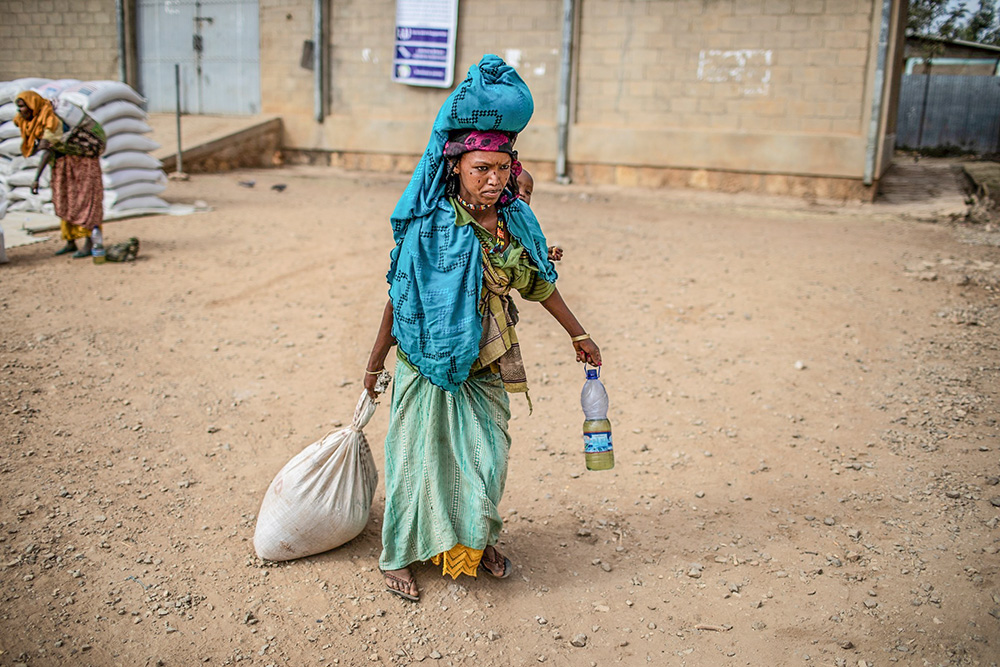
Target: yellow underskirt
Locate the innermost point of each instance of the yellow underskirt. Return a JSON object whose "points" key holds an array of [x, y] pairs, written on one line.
{"points": [[460, 559], [73, 232]]}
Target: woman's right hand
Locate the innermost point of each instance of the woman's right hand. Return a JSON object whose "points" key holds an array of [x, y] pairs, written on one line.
{"points": [[34, 187]]}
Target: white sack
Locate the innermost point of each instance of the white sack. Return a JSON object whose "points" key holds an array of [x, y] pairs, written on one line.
{"points": [[8, 130], [129, 142], [139, 189], [11, 165], [10, 89], [128, 160], [31, 207], [3, 212], [40, 203], [25, 177], [116, 179], [126, 124], [133, 203], [11, 147], [70, 113], [7, 111], [321, 498], [51, 90], [106, 113], [92, 94], [24, 192]]}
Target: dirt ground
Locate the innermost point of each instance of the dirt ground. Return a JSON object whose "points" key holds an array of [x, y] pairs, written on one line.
{"points": [[804, 401]]}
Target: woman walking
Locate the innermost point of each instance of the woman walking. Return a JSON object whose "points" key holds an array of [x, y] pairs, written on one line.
{"points": [[74, 144], [463, 241]]}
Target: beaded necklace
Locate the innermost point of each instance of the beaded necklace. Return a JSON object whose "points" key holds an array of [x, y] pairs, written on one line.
{"points": [[500, 236], [472, 207]]}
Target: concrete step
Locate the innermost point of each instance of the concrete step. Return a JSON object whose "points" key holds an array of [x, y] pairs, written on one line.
{"points": [[217, 143]]}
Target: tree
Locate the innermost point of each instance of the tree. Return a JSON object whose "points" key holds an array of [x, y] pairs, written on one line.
{"points": [[956, 20], [934, 17], [981, 26]]}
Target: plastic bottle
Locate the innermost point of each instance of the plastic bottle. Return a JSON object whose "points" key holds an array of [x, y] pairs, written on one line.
{"points": [[97, 246], [597, 447]]}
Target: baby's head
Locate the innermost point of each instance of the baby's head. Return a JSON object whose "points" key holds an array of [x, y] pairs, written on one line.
{"points": [[525, 186]]}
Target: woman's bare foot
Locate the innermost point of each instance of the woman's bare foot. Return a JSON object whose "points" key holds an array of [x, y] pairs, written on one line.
{"points": [[495, 563], [402, 583]]}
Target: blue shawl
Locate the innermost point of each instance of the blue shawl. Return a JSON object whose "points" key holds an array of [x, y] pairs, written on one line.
{"points": [[435, 277]]}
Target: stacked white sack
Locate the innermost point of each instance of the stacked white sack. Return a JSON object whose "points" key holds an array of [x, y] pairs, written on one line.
{"points": [[3, 212], [132, 177], [15, 171]]}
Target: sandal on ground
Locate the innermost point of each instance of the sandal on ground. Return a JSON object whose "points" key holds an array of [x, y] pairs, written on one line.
{"points": [[81, 253], [400, 580], [66, 249], [508, 567]]}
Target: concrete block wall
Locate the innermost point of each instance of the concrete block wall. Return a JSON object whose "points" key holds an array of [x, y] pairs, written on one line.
{"points": [[58, 39], [750, 65], [286, 87], [369, 113], [688, 87], [765, 88]]}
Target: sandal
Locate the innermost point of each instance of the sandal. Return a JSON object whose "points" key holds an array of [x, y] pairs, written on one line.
{"points": [[508, 567], [405, 582], [79, 254], [66, 249]]}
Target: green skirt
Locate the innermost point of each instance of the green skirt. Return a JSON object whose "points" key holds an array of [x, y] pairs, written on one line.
{"points": [[445, 466]]}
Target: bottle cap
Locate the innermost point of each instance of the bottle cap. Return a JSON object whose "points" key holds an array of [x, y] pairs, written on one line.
{"points": [[593, 373]]}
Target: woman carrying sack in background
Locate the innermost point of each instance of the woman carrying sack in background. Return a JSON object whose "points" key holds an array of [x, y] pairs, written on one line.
{"points": [[463, 241], [74, 144]]}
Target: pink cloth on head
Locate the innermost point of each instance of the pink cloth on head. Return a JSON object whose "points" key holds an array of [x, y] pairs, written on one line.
{"points": [[480, 140]]}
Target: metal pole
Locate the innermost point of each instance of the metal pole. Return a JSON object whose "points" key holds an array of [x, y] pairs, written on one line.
{"points": [[177, 84], [319, 75], [923, 104], [565, 86], [120, 17], [878, 91], [996, 72]]}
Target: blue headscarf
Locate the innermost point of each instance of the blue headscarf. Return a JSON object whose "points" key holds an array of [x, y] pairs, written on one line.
{"points": [[436, 276]]}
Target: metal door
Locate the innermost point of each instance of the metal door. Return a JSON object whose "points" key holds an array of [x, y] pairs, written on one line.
{"points": [[217, 45]]}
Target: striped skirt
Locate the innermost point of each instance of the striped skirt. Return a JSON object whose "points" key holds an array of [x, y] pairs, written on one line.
{"points": [[445, 470]]}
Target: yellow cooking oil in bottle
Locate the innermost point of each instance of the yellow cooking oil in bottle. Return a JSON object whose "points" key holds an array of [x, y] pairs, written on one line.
{"points": [[598, 451]]}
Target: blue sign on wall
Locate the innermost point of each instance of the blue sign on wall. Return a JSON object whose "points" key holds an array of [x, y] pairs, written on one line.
{"points": [[424, 54]]}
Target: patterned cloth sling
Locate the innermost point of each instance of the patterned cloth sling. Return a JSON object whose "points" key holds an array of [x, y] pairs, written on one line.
{"points": [[499, 344], [85, 140]]}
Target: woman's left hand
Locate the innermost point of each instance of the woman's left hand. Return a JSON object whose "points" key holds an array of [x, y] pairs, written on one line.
{"points": [[587, 351]]}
